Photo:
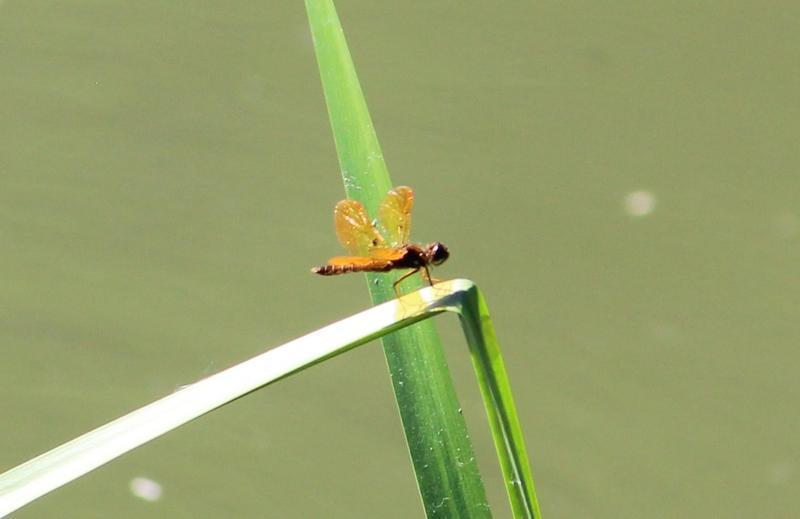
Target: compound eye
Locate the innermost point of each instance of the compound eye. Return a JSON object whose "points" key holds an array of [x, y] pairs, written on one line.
{"points": [[440, 254]]}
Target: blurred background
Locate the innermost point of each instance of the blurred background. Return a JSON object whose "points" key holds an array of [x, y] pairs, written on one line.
{"points": [[619, 178]]}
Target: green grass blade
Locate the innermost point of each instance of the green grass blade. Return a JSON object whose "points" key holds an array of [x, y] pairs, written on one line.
{"points": [[444, 463], [55, 468], [70, 461], [496, 391], [363, 169]]}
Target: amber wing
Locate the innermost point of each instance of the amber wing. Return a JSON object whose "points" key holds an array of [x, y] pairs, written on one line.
{"points": [[378, 256], [394, 216], [354, 228]]}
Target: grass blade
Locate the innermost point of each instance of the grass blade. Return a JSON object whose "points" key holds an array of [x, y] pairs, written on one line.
{"points": [[496, 391], [444, 463], [24, 483]]}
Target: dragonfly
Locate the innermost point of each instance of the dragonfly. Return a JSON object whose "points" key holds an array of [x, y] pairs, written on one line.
{"points": [[381, 245]]}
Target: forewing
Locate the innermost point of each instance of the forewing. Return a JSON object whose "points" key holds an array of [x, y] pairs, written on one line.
{"points": [[354, 229], [386, 253], [394, 216]]}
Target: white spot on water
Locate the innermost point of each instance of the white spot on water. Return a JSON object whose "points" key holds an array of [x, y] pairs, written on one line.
{"points": [[780, 472], [666, 334], [146, 488], [640, 203], [787, 225]]}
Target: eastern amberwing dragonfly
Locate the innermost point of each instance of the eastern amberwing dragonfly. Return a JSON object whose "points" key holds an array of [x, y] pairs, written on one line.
{"points": [[382, 245]]}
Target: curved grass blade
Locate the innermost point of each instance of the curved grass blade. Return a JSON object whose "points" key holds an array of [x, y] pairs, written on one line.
{"points": [[24, 483], [499, 402], [444, 462]]}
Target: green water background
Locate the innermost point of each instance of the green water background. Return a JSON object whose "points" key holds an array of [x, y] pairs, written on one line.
{"points": [[167, 176]]}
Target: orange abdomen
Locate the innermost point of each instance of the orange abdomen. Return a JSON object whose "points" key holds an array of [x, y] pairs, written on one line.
{"points": [[334, 270]]}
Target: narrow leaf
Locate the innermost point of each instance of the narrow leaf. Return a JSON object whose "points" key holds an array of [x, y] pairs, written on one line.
{"points": [[444, 463], [55, 468]]}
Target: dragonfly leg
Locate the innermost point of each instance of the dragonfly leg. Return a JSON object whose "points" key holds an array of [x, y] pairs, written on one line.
{"points": [[431, 280], [403, 277], [428, 275]]}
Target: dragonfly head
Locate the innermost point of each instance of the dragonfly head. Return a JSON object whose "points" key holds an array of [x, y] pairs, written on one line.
{"points": [[437, 253]]}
